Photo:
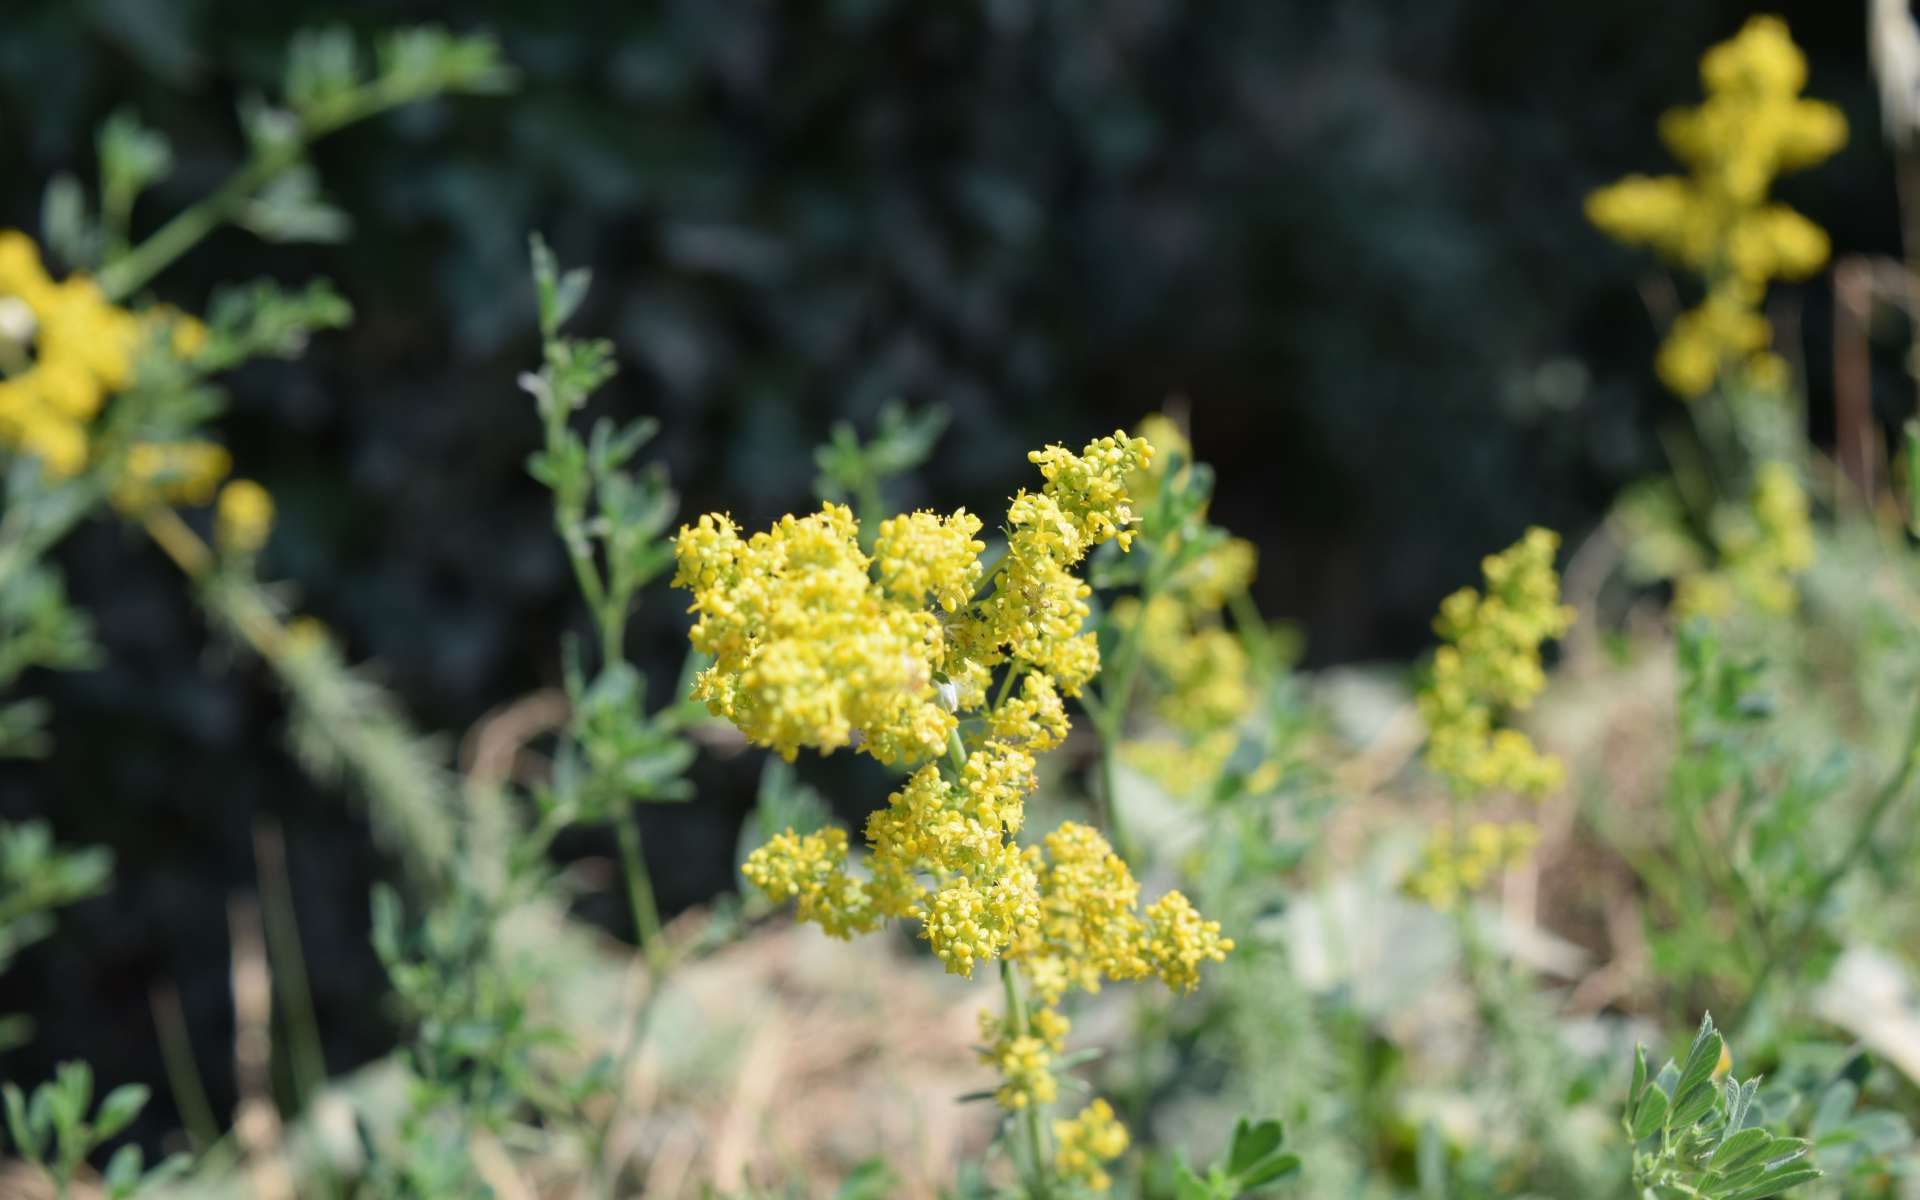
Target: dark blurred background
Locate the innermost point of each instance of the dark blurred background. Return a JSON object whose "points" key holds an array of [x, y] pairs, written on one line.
{"points": [[1349, 234]]}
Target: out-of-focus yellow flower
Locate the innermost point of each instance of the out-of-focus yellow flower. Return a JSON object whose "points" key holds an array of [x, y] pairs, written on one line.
{"points": [[63, 349], [1023, 1059], [1086, 1142], [1764, 547], [1200, 675], [159, 473], [1451, 868], [1715, 221], [1490, 667], [242, 517]]}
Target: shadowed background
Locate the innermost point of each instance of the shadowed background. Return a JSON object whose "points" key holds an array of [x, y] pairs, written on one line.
{"points": [[1349, 235]]}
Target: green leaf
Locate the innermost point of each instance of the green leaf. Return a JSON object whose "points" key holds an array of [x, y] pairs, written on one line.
{"points": [[1269, 1170], [1774, 1184], [1649, 1114], [1189, 1186], [1252, 1143], [29, 1138], [1748, 1145], [119, 1109]]}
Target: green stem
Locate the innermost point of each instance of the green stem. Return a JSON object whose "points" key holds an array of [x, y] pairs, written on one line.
{"points": [[956, 753], [192, 225], [189, 227], [646, 920], [1039, 1182], [640, 899], [1891, 791]]}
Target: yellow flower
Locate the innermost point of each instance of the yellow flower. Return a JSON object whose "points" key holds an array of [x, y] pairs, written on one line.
{"points": [[1450, 869], [1179, 940], [1091, 486], [1035, 717], [1752, 126], [815, 644], [63, 348], [812, 871], [1764, 547], [159, 473], [1086, 1142], [921, 557], [809, 650], [1024, 1062], [1491, 666], [243, 517]]}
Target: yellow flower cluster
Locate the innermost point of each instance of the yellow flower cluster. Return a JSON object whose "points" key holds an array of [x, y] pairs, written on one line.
{"points": [[1202, 674], [811, 871], [159, 473], [1452, 867], [1491, 666], [1716, 221], [809, 650], [1763, 547], [816, 645], [1085, 1143], [1023, 1058], [65, 350]]}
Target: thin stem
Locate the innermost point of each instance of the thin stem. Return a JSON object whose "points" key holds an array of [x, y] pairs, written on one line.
{"points": [[309, 1065], [956, 753], [189, 227], [640, 899], [1039, 1185], [1891, 791], [182, 1070], [646, 920]]}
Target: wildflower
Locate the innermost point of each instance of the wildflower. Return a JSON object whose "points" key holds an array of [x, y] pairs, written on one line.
{"points": [[1023, 1061], [1035, 717], [922, 556], [816, 644], [1086, 1142], [1091, 487], [159, 473], [243, 517], [1089, 927], [809, 650], [1451, 867], [1491, 666], [1763, 548], [1181, 940], [812, 871], [65, 350], [1715, 221]]}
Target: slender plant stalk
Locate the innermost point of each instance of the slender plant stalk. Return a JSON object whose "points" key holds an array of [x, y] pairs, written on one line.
{"points": [[309, 1064], [640, 898], [188, 228], [183, 1071]]}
